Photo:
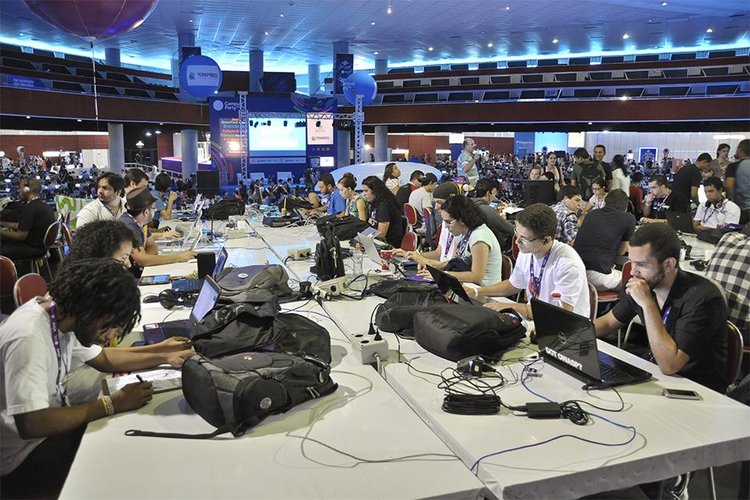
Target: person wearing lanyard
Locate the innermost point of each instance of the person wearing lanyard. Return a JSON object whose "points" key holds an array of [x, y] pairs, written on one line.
{"points": [[89, 302], [684, 314], [717, 211], [544, 266]]}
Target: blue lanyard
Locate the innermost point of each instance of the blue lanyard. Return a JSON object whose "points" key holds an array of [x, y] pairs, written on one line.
{"points": [[665, 315], [58, 350], [538, 281], [463, 244]]}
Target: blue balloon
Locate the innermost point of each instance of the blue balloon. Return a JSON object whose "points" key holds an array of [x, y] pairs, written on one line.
{"points": [[360, 83]]}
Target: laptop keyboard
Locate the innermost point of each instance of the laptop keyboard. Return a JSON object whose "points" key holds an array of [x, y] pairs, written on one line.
{"points": [[174, 330], [612, 374]]}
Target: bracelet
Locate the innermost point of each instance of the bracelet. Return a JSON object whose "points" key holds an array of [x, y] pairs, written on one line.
{"points": [[476, 292], [109, 408]]}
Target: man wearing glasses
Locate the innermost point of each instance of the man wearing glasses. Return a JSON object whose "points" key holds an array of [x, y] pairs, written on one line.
{"points": [[544, 266]]}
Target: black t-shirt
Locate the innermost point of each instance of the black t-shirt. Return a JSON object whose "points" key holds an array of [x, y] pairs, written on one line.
{"points": [[607, 169], [673, 202], [686, 178], [35, 217], [387, 211], [731, 170], [599, 236], [696, 318]]}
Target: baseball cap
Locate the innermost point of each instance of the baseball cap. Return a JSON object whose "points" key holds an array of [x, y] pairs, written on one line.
{"points": [[446, 190]]}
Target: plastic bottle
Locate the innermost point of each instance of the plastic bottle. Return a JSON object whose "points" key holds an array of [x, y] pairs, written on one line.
{"points": [[556, 299], [357, 258]]}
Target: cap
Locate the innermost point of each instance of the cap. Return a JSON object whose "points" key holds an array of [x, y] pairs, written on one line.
{"points": [[139, 198], [428, 178], [446, 190]]}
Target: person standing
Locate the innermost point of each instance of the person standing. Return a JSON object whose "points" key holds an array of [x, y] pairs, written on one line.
{"points": [[687, 180], [584, 172], [738, 180], [620, 176], [599, 152], [466, 162], [722, 161]]}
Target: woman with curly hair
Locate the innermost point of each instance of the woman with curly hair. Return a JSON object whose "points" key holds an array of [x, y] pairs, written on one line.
{"points": [[477, 246], [103, 239], [385, 214]]}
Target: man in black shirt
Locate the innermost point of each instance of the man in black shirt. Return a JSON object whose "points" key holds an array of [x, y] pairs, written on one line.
{"points": [[684, 314], [660, 200], [688, 178], [485, 191], [599, 151], [603, 235], [25, 239]]}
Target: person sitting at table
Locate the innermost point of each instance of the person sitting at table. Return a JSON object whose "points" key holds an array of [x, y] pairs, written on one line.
{"points": [[446, 247], [485, 192], [25, 238], [478, 257], [140, 211], [599, 188], [544, 266], [355, 202], [392, 177], [566, 211], [135, 178], [683, 313], [385, 216], [89, 302], [330, 200], [108, 205], [660, 200], [717, 211], [535, 173]]}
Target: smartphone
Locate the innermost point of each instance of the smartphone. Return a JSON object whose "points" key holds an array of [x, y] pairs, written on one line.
{"points": [[681, 394], [159, 279]]}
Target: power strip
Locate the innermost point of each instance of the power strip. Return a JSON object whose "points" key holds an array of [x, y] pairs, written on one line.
{"points": [[299, 253], [328, 289], [366, 347], [236, 233]]}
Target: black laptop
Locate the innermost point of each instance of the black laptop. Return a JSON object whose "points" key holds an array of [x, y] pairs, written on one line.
{"points": [[207, 298], [450, 286], [194, 285], [680, 221], [568, 341]]}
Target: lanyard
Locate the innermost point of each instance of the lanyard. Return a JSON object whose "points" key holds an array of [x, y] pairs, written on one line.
{"points": [[665, 314], [717, 209], [463, 243], [536, 282], [448, 244], [58, 350]]}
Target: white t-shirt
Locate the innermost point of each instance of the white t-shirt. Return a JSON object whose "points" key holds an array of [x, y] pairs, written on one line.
{"points": [[393, 183], [494, 272], [447, 244], [28, 378], [96, 210], [727, 212], [620, 180], [596, 202], [420, 199], [564, 273]]}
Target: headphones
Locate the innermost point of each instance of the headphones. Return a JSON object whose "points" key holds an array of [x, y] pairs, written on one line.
{"points": [[169, 299], [716, 205]]}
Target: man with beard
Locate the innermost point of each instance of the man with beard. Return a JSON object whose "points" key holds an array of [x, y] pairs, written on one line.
{"points": [[684, 314], [108, 204], [90, 301]]}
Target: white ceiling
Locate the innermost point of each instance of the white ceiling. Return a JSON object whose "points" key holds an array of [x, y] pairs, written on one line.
{"points": [[456, 30]]}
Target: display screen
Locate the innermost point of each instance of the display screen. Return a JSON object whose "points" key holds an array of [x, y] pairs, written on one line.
{"points": [[270, 137]]}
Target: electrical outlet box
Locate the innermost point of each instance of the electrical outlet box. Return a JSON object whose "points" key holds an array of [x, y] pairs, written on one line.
{"points": [[365, 347], [299, 253], [330, 288]]}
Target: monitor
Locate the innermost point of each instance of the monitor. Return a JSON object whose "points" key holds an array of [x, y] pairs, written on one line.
{"points": [[539, 192]]}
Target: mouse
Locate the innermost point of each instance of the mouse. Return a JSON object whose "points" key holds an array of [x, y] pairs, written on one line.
{"points": [[150, 299]]}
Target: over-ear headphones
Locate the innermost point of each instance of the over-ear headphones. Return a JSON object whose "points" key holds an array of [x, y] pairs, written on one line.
{"points": [[169, 299], [716, 205]]}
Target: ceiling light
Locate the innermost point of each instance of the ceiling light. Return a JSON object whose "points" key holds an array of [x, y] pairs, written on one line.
{"points": [[190, 20], [624, 98], [372, 23], [28, 117], [664, 4], [281, 15], [157, 132], [625, 36], [266, 33], [79, 120], [148, 134], [507, 8], [376, 52], [554, 40], [490, 44], [389, 10], [590, 123], [430, 49], [709, 30]]}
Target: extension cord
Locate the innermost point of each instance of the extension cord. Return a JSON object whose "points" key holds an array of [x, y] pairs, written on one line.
{"points": [[330, 288], [301, 253], [366, 347], [235, 233]]}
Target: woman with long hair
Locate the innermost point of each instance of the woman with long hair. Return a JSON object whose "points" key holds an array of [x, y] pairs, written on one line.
{"points": [[391, 177], [355, 202], [385, 214], [620, 177], [477, 246]]}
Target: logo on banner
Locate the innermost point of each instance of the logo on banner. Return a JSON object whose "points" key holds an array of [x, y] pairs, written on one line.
{"points": [[200, 76]]}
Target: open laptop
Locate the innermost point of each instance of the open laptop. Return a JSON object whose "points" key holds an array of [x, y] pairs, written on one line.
{"points": [[568, 341], [207, 298], [450, 286], [194, 285], [189, 239], [366, 239], [680, 221]]}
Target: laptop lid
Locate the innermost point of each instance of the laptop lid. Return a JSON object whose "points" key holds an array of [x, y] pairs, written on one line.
{"points": [[198, 202], [680, 221], [566, 338], [450, 286], [206, 300], [221, 261], [369, 246]]}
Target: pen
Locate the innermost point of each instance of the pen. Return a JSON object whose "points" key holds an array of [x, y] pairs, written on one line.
{"points": [[140, 379]]}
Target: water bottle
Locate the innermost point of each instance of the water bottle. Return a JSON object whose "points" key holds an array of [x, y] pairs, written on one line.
{"points": [[556, 299], [357, 258], [204, 231]]}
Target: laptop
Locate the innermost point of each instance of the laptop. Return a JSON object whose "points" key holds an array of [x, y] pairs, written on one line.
{"points": [[207, 298], [368, 244], [450, 286], [188, 241], [680, 221], [568, 341], [194, 285]]}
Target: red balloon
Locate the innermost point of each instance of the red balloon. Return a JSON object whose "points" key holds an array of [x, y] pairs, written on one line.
{"points": [[93, 19]]}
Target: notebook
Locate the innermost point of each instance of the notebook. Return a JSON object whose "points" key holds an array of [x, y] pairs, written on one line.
{"points": [[194, 285], [568, 341], [450, 286], [163, 379], [680, 221], [207, 298]]}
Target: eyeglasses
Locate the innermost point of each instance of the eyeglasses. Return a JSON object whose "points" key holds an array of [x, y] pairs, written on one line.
{"points": [[522, 239], [449, 221]]}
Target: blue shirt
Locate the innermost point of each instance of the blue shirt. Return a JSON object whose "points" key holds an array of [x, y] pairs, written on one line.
{"points": [[336, 203]]}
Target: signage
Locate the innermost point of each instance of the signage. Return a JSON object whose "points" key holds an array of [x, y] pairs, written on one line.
{"points": [[200, 76]]}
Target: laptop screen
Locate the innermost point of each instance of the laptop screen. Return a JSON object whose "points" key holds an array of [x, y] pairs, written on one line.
{"points": [[220, 262], [369, 247], [449, 285], [206, 300]]}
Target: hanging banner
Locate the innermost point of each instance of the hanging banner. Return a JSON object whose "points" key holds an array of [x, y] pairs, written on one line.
{"points": [[200, 76], [343, 67]]}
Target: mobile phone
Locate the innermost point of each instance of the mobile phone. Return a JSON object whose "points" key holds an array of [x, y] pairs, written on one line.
{"points": [[158, 279], [681, 394]]}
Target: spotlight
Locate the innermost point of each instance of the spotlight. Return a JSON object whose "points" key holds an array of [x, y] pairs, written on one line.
{"points": [[317, 123], [268, 123], [250, 124], [256, 124], [285, 123]]}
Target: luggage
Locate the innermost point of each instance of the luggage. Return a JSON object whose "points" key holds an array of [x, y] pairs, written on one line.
{"points": [[240, 284], [344, 228], [396, 314], [329, 263], [222, 209]]}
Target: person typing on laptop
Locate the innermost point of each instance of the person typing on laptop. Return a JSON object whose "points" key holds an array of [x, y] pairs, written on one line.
{"points": [[141, 206], [89, 302], [660, 200], [684, 314], [544, 266]]}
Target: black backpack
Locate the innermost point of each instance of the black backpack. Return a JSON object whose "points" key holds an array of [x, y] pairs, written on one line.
{"points": [[222, 209], [396, 314], [344, 228], [589, 173], [329, 263], [237, 392]]}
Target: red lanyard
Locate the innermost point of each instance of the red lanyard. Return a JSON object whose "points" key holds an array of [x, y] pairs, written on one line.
{"points": [[535, 283]]}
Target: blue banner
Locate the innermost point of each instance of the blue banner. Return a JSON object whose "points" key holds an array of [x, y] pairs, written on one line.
{"points": [[22, 82], [343, 67]]}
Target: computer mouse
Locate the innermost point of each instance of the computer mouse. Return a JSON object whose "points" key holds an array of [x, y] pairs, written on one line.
{"points": [[150, 299]]}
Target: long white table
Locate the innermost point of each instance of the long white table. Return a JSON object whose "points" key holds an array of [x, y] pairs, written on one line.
{"points": [[362, 441]]}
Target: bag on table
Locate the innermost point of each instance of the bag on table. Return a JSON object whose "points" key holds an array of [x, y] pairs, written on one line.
{"points": [[387, 288], [241, 284], [222, 209], [396, 314], [329, 263], [457, 331], [344, 228], [258, 326], [237, 392]]}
